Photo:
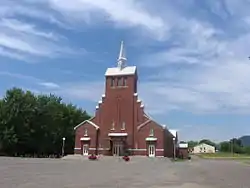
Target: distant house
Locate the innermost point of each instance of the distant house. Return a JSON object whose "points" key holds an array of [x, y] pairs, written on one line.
{"points": [[203, 148]]}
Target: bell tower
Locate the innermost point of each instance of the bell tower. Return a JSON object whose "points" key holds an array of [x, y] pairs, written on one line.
{"points": [[122, 77]]}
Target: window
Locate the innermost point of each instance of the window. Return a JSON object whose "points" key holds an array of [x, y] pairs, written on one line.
{"points": [[86, 132], [151, 133], [112, 82], [119, 83], [123, 125], [113, 125], [125, 81]]}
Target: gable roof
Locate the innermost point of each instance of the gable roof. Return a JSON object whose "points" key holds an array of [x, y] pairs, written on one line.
{"points": [[173, 132], [203, 144], [88, 121], [149, 120]]}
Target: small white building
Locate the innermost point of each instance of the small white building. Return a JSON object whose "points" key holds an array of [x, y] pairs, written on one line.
{"points": [[203, 148]]}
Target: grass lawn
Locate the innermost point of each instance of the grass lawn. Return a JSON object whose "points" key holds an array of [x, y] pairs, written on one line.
{"points": [[221, 155]]}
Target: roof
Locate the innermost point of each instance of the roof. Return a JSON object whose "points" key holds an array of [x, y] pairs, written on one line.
{"points": [[173, 132], [203, 144], [116, 71], [88, 121], [183, 145]]}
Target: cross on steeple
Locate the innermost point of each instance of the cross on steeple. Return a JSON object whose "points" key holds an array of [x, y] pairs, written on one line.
{"points": [[121, 62]]}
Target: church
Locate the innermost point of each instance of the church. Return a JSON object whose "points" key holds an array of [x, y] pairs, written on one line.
{"points": [[120, 125]]}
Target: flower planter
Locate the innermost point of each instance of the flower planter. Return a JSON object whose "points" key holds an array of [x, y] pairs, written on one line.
{"points": [[126, 158], [92, 157]]}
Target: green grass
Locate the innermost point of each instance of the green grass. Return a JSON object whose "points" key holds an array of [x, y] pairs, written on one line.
{"points": [[246, 162], [221, 155]]}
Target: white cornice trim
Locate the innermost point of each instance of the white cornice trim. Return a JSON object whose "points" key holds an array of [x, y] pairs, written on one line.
{"points": [[85, 138], [143, 124], [88, 121], [151, 139], [118, 134]]}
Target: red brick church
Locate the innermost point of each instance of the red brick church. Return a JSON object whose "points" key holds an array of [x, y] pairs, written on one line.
{"points": [[120, 125]]}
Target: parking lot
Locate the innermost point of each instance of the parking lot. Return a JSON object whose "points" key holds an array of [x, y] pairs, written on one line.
{"points": [[113, 172]]}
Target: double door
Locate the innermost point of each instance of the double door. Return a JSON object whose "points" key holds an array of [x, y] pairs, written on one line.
{"points": [[85, 149], [151, 150], [117, 149]]}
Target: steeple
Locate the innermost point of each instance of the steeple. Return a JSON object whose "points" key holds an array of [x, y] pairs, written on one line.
{"points": [[121, 62]]}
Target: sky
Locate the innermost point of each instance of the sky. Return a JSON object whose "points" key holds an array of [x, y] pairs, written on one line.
{"points": [[192, 56]]}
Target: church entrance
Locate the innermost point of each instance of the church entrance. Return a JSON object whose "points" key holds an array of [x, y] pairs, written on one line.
{"points": [[151, 150], [85, 150], [118, 149], [118, 144]]}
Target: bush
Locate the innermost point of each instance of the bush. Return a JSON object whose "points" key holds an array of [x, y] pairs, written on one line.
{"points": [[92, 157], [126, 158]]}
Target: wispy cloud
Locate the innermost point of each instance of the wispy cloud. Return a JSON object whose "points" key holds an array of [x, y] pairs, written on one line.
{"points": [[89, 91], [26, 28], [19, 76], [205, 68], [50, 85], [96, 13], [201, 65], [46, 86], [24, 39]]}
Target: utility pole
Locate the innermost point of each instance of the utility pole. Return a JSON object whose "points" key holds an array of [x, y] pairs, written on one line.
{"points": [[174, 144], [232, 146]]}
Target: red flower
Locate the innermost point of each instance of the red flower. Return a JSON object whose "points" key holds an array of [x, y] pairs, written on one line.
{"points": [[126, 158], [92, 157]]}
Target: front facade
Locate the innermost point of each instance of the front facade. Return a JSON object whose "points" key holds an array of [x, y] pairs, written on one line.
{"points": [[120, 125], [203, 148]]}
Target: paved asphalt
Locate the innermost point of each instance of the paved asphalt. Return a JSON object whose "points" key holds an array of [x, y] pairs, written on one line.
{"points": [[111, 172]]}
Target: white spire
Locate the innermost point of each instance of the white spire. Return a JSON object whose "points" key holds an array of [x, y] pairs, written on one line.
{"points": [[121, 59]]}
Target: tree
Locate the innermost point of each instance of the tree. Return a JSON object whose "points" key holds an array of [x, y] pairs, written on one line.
{"points": [[234, 145], [225, 146], [35, 124], [192, 143], [207, 141]]}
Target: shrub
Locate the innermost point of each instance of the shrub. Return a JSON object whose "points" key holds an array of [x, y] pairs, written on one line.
{"points": [[92, 157], [126, 158]]}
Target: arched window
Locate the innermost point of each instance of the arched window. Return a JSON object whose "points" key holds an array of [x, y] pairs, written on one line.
{"points": [[86, 132], [125, 81], [151, 133], [112, 82], [123, 125], [113, 125], [119, 83]]}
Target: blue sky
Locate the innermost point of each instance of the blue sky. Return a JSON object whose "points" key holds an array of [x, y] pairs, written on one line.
{"points": [[192, 56]]}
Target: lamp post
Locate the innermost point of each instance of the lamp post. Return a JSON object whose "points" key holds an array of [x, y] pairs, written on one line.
{"points": [[63, 145], [174, 148]]}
